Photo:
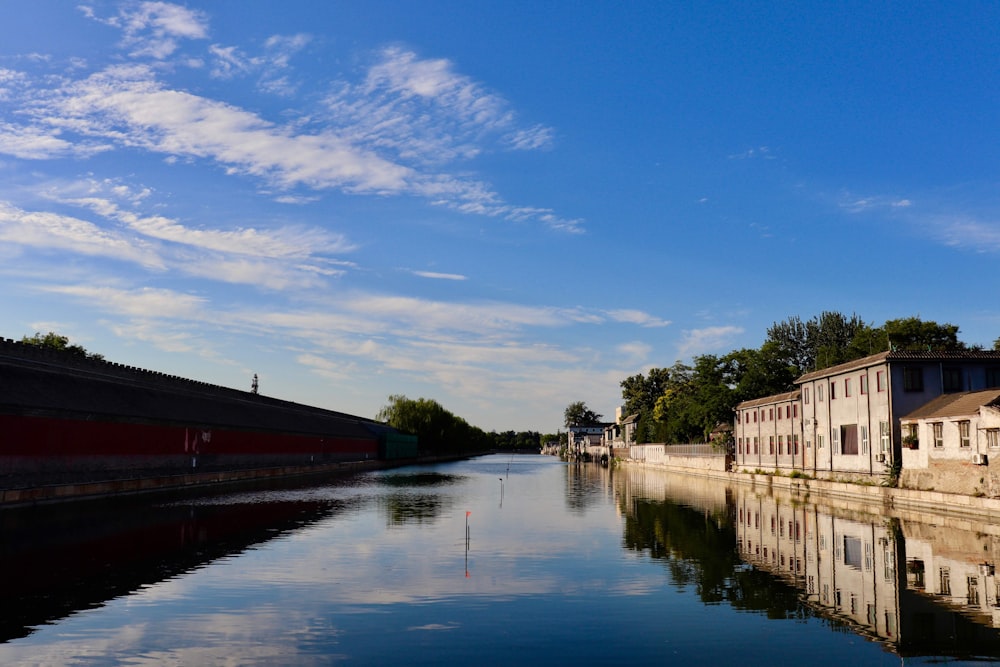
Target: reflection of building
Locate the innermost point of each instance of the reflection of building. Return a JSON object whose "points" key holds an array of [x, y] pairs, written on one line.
{"points": [[850, 413], [921, 589], [845, 568]]}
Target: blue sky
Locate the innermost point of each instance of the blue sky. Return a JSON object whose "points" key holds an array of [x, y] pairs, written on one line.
{"points": [[505, 207]]}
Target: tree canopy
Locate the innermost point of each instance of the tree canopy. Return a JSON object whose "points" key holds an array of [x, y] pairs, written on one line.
{"points": [[60, 343], [578, 414]]}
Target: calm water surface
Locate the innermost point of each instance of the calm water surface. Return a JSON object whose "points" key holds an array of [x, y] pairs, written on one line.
{"points": [[497, 560]]}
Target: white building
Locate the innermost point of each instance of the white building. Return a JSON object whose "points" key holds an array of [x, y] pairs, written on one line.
{"points": [[948, 443], [850, 413]]}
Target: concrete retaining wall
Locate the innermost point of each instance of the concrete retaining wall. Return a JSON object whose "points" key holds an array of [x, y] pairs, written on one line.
{"points": [[879, 499]]}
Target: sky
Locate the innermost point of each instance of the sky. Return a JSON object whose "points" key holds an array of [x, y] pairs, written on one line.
{"points": [[505, 207]]}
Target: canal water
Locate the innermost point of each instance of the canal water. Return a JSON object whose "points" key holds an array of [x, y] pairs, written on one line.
{"points": [[498, 560]]}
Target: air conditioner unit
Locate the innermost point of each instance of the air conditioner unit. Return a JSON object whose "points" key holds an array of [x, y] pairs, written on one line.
{"points": [[980, 459], [880, 458]]}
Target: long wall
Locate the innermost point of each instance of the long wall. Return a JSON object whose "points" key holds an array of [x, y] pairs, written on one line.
{"points": [[69, 420]]}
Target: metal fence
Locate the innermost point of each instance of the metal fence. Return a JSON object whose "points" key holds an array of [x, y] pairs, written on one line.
{"points": [[704, 449]]}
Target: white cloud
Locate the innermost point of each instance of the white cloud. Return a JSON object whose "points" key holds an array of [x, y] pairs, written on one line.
{"points": [[637, 317], [439, 276], [963, 231], [39, 143], [155, 29], [635, 352], [51, 231], [147, 302], [701, 341]]}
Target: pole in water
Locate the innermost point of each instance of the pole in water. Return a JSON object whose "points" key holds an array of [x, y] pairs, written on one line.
{"points": [[467, 513]]}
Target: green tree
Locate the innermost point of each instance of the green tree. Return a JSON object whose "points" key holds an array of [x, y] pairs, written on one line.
{"points": [[438, 431], [578, 414], [640, 393], [916, 335], [827, 339], [60, 343]]}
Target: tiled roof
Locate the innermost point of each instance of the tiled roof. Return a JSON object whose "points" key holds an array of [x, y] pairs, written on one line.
{"points": [[768, 400], [902, 355], [955, 405]]}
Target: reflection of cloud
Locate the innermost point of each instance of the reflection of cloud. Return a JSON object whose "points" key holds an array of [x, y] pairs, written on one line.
{"points": [[435, 626]]}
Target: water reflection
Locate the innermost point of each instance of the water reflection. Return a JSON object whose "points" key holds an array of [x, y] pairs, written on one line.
{"points": [[58, 560], [579, 565], [920, 587]]}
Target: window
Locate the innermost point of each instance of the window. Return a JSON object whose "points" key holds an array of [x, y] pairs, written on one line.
{"points": [[852, 552], [805, 395], [754, 416], [795, 410], [781, 445], [819, 442], [833, 390], [864, 439], [771, 414], [972, 584], [944, 581], [913, 378], [993, 437], [849, 439], [938, 428], [788, 412], [847, 387], [755, 445], [863, 381], [951, 380], [835, 441], [880, 381], [795, 439], [739, 445], [883, 436], [963, 434], [819, 393], [779, 412], [770, 444]]}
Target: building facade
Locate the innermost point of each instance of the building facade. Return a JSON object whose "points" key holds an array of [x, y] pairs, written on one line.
{"points": [[846, 418]]}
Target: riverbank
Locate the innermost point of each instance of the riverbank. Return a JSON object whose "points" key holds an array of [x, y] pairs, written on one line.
{"points": [[879, 499]]}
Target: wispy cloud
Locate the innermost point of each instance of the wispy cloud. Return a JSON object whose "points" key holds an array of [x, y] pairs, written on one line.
{"points": [[709, 339], [439, 276], [154, 29], [964, 231], [408, 126], [854, 204], [637, 317]]}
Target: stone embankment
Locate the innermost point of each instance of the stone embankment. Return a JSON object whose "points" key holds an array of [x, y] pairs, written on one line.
{"points": [[879, 499]]}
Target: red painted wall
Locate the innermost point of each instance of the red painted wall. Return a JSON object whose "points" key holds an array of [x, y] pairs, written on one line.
{"points": [[22, 436]]}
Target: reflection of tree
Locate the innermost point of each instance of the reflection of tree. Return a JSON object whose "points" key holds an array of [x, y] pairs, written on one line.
{"points": [[422, 479], [413, 508], [699, 550]]}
